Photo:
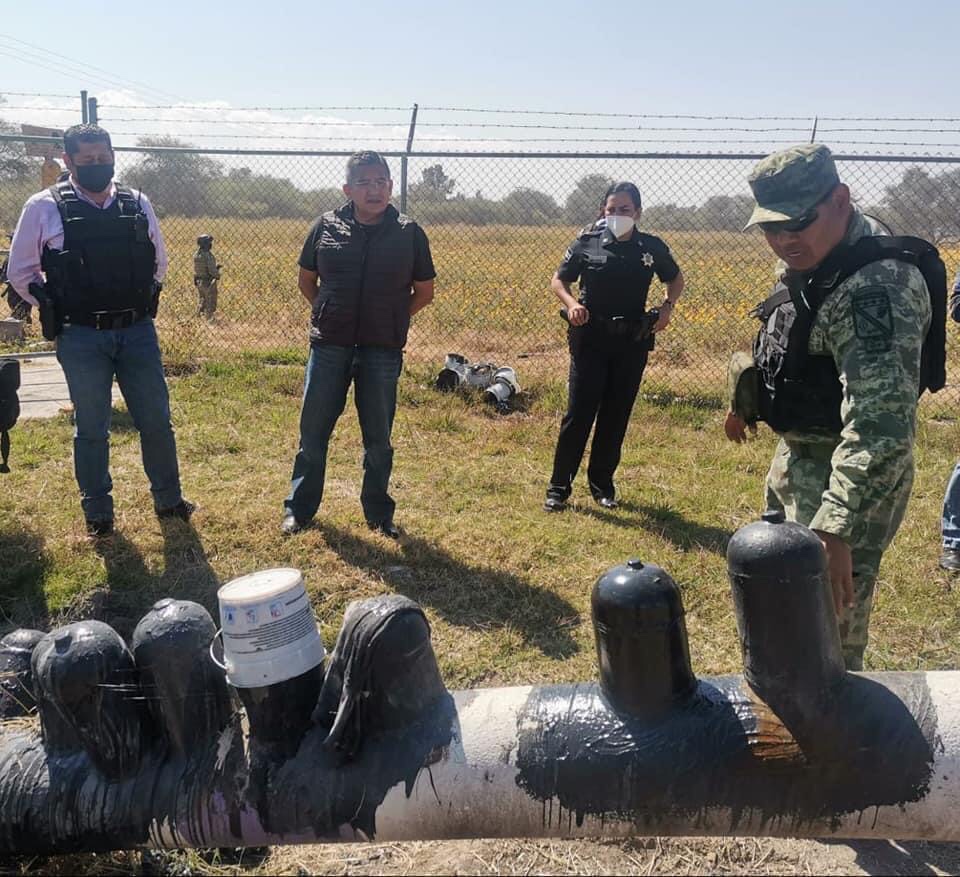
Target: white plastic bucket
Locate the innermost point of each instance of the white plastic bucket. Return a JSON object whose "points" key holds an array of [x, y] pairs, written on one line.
{"points": [[269, 630]]}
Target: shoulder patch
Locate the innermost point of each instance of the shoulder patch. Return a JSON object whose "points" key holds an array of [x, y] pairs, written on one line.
{"points": [[873, 318]]}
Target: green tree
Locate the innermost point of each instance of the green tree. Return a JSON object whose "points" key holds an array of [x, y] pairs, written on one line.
{"points": [[922, 204], [435, 186], [724, 212], [176, 182], [525, 206], [19, 178], [583, 203]]}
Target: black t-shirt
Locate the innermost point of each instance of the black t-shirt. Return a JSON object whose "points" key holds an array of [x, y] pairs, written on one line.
{"points": [[366, 273], [614, 275]]}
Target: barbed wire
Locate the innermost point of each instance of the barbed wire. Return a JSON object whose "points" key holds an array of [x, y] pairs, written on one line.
{"points": [[246, 109], [373, 136], [36, 94], [661, 116], [527, 126], [72, 109], [286, 122]]}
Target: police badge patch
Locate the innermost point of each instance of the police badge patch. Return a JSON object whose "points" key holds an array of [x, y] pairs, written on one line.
{"points": [[647, 259], [873, 318]]}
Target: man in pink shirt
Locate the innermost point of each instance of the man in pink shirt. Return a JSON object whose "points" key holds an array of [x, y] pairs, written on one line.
{"points": [[90, 254]]}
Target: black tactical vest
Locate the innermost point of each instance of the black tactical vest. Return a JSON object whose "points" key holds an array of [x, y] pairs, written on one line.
{"points": [[801, 392], [107, 260]]}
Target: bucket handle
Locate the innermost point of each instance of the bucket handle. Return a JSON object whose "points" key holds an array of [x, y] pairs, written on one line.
{"points": [[213, 639]]}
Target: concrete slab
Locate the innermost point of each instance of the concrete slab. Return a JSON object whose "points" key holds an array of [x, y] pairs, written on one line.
{"points": [[43, 387]]}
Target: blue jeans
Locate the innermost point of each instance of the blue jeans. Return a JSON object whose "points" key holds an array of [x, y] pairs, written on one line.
{"points": [[90, 358], [374, 372], [951, 511]]}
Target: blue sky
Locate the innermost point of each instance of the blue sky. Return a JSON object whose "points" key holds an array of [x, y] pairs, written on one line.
{"points": [[885, 58], [839, 59]]}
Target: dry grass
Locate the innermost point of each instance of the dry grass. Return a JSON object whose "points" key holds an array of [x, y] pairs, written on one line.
{"points": [[505, 586], [493, 300]]}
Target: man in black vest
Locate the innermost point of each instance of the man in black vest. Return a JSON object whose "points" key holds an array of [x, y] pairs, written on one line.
{"points": [[90, 253], [366, 258]]}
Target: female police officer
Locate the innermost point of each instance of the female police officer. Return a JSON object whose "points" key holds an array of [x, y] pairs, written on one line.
{"points": [[609, 338]]}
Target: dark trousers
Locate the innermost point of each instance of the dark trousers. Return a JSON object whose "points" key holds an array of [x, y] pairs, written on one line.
{"points": [[605, 374], [374, 372]]}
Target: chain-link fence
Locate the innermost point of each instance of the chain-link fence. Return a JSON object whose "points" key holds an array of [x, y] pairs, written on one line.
{"points": [[498, 224]]}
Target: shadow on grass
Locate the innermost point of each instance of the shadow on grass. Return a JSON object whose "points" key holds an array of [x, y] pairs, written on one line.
{"points": [[121, 421], [132, 587], [671, 525], [23, 566], [466, 595]]}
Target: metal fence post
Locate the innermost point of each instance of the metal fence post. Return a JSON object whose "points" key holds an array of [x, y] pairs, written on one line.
{"points": [[403, 161], [83, 107], [92, 111]]}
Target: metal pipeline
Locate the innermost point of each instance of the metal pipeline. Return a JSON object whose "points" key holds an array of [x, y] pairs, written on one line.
{"points": [[148, 746]]}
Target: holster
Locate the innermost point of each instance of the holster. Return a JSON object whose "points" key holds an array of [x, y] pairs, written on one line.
{"points": [[155, 298], [50, 310]]}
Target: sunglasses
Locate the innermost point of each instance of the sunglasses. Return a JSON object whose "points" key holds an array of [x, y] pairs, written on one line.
{"points": [[791, 225]]}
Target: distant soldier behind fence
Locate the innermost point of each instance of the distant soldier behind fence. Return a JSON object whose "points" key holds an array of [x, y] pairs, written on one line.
{"points": [[206, 273], [837, 371]]}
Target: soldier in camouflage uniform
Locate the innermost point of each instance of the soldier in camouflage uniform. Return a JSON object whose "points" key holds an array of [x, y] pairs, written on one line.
{"points": [[849, 486], [206, 273]]}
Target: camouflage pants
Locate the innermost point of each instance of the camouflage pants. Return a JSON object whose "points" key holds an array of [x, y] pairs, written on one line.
{"points": [[798, 476], [208, 297]]}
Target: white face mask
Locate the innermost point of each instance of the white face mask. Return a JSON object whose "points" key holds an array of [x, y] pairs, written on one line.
{"points": [[619, 225]]}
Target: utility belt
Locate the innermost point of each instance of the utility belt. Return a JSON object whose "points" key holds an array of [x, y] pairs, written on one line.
{"points": [[106, 320], [53, 316], [621, 327]]}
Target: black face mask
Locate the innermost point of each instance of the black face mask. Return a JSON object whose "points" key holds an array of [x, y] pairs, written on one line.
{"points": [[94, 177]]}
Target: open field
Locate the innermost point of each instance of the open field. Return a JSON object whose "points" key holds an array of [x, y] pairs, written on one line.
{"points": [[493, 300], [505, 586]]}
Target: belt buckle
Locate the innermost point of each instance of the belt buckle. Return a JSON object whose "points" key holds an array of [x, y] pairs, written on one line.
{"points": [[113, 320], [618, 325]]}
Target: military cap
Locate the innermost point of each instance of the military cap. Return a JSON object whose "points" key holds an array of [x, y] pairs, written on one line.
{"points": [[789, 183], [205, 239]]}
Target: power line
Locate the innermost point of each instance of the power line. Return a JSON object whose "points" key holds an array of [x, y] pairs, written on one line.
{"points": [[63, 70], [109, 75]]}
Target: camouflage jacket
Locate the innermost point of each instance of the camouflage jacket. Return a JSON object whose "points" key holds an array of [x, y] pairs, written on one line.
{"points": [[879, 371], [205, 266], [880, 375]]}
